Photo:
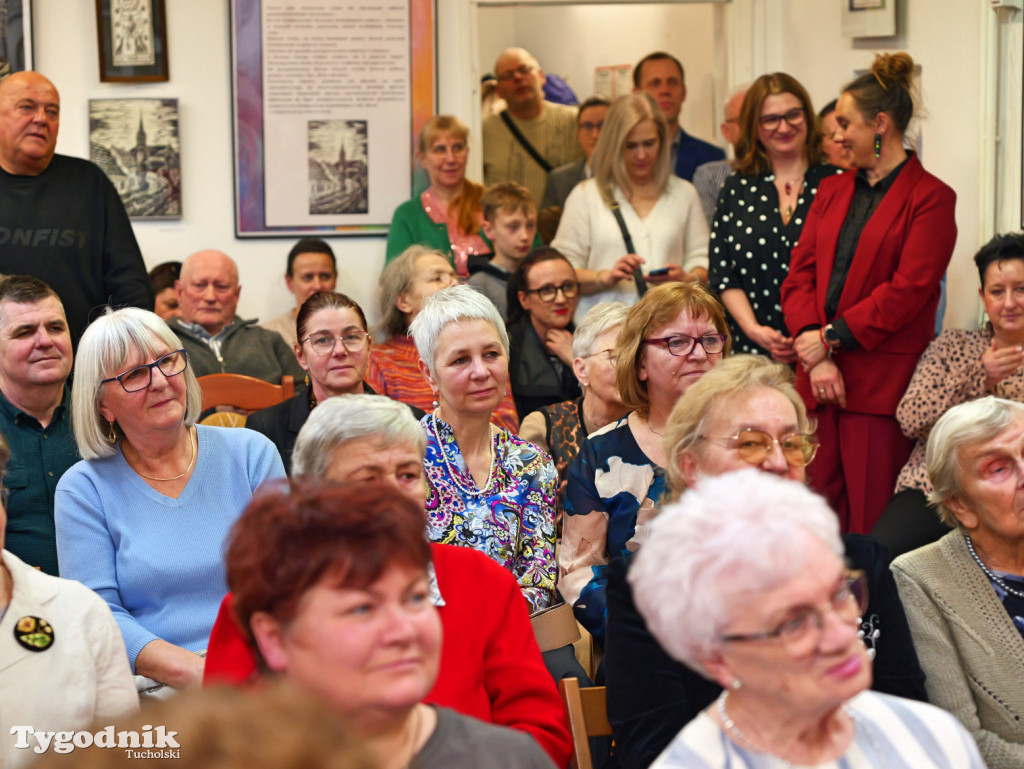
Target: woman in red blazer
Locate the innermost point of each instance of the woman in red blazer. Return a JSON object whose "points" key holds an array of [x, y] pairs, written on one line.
{"points": [[862, 290]]}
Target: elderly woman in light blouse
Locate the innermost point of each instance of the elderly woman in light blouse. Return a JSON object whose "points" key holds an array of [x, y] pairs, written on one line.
{"points": [[744, 581], [661, 212], [964, 594], [487, 488]]}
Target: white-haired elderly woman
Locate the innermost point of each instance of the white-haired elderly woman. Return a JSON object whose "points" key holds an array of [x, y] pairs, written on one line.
{"points": [[776, 627], [668, 234], [561, 428], [142, 519], [964, 594], [487, 488], [743, 413]]}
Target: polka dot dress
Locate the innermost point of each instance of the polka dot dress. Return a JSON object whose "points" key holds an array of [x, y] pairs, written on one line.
{"points": [[750, 245]]}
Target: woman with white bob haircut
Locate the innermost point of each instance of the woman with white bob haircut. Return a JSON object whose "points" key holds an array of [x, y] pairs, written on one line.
{"points": [[964, 594], [486, 488], [143, 517], [776, 627]]}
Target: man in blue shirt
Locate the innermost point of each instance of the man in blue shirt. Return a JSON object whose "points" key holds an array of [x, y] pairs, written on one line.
{"points": [[661, 75], [35, 361]]}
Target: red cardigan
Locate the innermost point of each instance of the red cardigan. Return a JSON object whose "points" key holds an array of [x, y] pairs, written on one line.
{"points": [[491, 667], [891, 291]]}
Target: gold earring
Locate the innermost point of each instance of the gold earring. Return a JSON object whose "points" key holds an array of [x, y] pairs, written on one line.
{"points": [[111, 435]]}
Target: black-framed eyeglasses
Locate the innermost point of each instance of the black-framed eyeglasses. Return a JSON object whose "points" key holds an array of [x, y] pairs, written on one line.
{"points": [[570, 289], [754, 446], [522, 69], [681, 344], [141, 377], [324, 344], [795, 118], [608, 354], [801, 633]]}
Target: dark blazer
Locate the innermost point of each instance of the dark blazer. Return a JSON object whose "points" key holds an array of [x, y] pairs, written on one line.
{"points": [[651, 697], [281, 423], [561, 181], [693, 152], [891, 291]]}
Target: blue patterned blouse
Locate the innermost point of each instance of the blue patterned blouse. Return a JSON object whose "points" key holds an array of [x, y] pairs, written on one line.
{"points": [[512, 521]]}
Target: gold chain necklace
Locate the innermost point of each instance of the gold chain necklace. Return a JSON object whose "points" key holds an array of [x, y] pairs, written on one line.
{"points": [[192, 441]]}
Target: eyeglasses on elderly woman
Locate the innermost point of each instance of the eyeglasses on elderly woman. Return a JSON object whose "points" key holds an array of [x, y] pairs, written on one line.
{"points": [[680, 344], [754, 446], [801, 632], [141, 377]]}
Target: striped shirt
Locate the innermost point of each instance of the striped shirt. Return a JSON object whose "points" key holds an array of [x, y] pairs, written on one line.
{"points": [[394, 372]]}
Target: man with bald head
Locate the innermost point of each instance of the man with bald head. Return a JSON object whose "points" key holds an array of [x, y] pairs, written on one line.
{"points": [[532, 136], [217, 340], [61, 219], [710, 177]]}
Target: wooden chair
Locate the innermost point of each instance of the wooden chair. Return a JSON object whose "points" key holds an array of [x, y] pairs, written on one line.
{"points": [[555, 627], [224, 419], [588, 717], [244, 392]]}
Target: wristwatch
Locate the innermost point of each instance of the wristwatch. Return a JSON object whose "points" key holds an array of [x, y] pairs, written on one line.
{"points": [[831, 337]]}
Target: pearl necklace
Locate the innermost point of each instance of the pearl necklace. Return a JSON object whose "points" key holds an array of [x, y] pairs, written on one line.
{"points": [[999, 581], [452, 471]]}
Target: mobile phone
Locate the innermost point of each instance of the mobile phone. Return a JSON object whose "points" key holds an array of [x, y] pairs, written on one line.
{"points": [[658, 272]]}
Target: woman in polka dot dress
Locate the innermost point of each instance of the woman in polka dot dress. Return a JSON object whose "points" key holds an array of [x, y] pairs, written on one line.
{"points": [[761, 211]]}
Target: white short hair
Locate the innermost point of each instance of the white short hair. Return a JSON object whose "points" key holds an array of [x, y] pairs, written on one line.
{"points": [[103, 351], [733, 534], [450, 305], [346, 418], [599, 318]]}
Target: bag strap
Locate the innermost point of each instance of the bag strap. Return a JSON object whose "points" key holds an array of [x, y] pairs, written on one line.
{"points": [[638, 277], [524, 142]]}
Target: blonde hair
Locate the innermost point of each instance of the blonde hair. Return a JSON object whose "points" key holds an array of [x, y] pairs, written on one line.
{"points": [[608, 162], [396, 279], [466, 205]]}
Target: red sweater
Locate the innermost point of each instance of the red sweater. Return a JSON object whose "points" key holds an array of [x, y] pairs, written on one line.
{"points": [[491, 667]]}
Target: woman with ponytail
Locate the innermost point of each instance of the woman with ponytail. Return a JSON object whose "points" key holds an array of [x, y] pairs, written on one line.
{"points": [[862, 291]]}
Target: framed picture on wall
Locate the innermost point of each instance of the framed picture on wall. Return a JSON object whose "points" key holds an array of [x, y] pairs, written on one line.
{"points": [[15, 36], [135, 142], [132, 40]]}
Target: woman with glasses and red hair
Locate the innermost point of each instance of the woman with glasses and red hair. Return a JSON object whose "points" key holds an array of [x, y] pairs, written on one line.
{"points": [[670, 339], [143, 517]]}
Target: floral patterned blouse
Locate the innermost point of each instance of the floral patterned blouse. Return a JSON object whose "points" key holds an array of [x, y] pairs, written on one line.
{"points": [[512, 521], [611, 495]]}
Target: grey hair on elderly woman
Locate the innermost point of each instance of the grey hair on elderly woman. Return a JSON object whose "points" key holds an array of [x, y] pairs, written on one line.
{"points": [[743, 580]]}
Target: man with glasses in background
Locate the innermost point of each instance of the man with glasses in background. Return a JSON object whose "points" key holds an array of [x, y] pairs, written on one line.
{"points": [[217, 340], [531, 137]]}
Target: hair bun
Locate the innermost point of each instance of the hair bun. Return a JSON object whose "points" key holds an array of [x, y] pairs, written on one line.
{"points": [[894, 67]]}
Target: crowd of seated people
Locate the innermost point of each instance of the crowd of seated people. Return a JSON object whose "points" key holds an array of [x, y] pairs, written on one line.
{"points": [[382, 539]]}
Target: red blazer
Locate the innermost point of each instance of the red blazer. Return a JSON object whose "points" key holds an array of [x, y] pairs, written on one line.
{"points": [[892, 289], [491, 667]]}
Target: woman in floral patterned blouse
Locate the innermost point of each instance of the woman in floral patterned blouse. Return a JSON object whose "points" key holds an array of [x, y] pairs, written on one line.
{"points": [[486, 488]]}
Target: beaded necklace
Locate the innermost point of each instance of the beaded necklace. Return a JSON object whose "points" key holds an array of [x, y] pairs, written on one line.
{"points": [[999, 581], [491, 474]]}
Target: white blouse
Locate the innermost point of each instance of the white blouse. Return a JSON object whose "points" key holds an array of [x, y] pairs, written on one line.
{"points": [[674, 232]]}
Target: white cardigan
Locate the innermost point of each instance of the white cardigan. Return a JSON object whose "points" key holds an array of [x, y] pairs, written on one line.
{"points": [[674, 232]]}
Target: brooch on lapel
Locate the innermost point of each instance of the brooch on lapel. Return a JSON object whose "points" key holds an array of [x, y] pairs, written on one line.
{"points": [[34, 633]]}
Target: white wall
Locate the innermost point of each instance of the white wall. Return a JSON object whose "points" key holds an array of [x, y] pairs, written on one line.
{"points": [[684, 30]]}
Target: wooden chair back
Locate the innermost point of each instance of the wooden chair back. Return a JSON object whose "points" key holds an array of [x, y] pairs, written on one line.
{"points": [[244, 392], [588, 717]]}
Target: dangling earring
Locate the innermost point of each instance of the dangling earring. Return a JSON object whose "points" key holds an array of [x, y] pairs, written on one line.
{"points": [[878, 146], [307, 379], [111, 435]]}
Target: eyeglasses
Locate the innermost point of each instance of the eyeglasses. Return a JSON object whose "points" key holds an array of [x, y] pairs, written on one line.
{"points": [[324, 344], [141, 377], [569, 290], [588, 126], [522, 69], [754, 446], [608, 354], [795, 118], [680, 344], [801, 633]]}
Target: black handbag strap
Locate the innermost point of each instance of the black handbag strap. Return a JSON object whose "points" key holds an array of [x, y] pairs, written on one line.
{"points": [[524, 142], [638, 277]]}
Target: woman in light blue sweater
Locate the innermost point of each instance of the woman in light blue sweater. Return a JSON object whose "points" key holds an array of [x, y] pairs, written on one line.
{"points": [[143, 518]]}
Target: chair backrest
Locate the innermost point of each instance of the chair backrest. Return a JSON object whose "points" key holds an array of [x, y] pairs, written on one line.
{"points": [[244, 392], [224, 419], [588, 717], [555, 627]]}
